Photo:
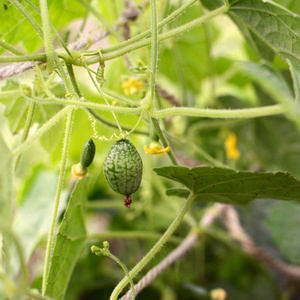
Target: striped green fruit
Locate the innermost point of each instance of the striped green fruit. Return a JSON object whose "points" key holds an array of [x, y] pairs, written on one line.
{"points": [[123, 168], [88, 153]]}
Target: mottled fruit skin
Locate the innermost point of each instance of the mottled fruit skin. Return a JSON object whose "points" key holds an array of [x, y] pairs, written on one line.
{"points": [[123, 168], [88, 153]]}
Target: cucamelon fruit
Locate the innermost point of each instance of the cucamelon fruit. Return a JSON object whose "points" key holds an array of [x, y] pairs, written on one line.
{"points": [[80, 170], [88, 153], [123, 168]]}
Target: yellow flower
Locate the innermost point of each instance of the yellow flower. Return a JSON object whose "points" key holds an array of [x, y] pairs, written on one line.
{"points": [[78, 171], [231, 149], [155, 148], [218, 294], [132, 86]]}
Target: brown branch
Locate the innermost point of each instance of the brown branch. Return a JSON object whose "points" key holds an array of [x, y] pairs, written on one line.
{"points": [[237, 232]]}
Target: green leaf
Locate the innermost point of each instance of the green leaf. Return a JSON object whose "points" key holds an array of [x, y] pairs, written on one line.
{"points": [[261, 48], [6, 175], [16, 29], [7, 198], [211, 5], [178, 192], [192, 63], [52, 137], [272, 82], [275, 25], [267, 134], [281, 222], [69, 243], [231, 186], [295, 72], [293, 5], [33, 217]]}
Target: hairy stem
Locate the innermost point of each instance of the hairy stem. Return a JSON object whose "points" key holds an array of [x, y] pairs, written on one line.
{"points": [[220, 113], [155, 249], [154, 49], [146, 33], [107, 54], [73, 80], [122, 265], [89, 105], [163, 140], [145, 235], [47, 35], [57, 200], [10, 48]]}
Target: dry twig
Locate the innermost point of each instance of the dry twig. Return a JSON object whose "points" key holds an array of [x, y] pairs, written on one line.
{"points": [[237, 232]]}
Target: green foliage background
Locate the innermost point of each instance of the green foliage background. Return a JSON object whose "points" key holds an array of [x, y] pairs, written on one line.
{"points": [[246, 58]]}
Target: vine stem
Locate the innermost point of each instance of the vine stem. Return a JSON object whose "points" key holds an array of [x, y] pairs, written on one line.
{"points": [[108, 54], [57, 199], [9, 93], [187, 244], [47, 35], [163, 140], [154, 49], [138, 267], [88, 104], [220, 113], [244, 113], [160, 25], [144, 235], [122, 265], [10, 48]]}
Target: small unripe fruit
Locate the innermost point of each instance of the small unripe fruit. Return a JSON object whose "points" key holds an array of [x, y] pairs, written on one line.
{"points": [[88, 153]]}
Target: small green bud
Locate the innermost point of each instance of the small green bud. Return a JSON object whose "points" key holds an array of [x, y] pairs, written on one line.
{"points": [[95, 249], [155, 145], [106, 245], [26, 90]]}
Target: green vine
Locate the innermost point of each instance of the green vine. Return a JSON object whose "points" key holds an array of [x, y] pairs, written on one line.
{"points": [[47, 35], [105, 251], [143, 102], [61, 176], [145, 260]]}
